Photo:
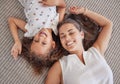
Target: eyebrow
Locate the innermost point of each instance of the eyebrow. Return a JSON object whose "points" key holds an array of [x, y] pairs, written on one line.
{"points": [[36, 40], [68, 31]]}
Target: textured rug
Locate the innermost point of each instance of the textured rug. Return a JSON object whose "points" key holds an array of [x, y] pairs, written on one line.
{"points": [[20, 72]]}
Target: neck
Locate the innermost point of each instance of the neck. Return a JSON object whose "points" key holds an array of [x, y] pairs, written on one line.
{"points": [[79, 53]]}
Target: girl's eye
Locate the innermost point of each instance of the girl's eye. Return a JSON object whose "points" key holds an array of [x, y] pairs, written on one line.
{"points": [[44, 43], [36, 40]]}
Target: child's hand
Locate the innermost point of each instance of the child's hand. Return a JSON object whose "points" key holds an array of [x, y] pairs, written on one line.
{"points": [[77, 10], [16, 49], [50, 2]]}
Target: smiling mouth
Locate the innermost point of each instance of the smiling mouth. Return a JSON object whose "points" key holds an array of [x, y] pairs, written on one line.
{"points": [[69, 44], [42, 34]]}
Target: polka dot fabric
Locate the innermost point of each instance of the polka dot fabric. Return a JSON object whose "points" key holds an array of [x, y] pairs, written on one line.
{"points": [[39, 16]]}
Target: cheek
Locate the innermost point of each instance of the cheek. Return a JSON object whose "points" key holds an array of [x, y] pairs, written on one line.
{"points": [[32, 47], [62, 42], [48, 39]]}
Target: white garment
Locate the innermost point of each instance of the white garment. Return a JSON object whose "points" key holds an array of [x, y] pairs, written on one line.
{"points": [[94, 71], [39, 16]]}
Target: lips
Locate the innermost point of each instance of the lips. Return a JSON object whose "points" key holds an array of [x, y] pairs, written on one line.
{"points": [[69, 44], [43, 34]]}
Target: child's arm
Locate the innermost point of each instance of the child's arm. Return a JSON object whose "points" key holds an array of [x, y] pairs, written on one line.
{"points": [[61, 12], [61, 9], [60, 6], [103, 39], [54, 74], [60, 3], [15, 23]]}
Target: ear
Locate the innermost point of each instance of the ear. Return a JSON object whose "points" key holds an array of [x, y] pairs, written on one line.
{"points": [[53, 44], [82, 34]]}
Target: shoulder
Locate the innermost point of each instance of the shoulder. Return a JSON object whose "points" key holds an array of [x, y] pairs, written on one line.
{"points": [[56, 67], [93, 50], [54, 74], [66, 59]]}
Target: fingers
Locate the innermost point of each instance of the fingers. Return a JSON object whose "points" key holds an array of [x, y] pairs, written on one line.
{"points": [[76, 10], [73, 7], [48, 3], [20, 51], [44, 2], [14, 53]]}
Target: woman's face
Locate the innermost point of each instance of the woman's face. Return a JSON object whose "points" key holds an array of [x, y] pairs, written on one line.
{"points": [[42, 42], [71, 37]]}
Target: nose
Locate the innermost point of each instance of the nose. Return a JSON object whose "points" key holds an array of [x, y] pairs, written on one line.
{"points": [[39, 38], [67, 38]]}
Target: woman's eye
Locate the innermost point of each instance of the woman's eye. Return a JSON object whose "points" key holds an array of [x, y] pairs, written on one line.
{"points": [[62, 36], [71, 33]]}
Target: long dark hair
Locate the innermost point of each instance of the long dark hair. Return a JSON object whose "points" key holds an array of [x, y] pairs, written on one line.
{"points": [[90, 28], [39, 64]]}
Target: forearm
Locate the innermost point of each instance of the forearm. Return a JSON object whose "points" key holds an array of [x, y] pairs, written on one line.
{"points": [[58, 3], [61, 3], [61, 12], [101, 20], [13, 29], [103, 39]]}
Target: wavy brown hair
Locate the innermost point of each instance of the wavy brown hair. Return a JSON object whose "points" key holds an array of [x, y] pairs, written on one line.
{"points": [[90, 28], [39, 63]]}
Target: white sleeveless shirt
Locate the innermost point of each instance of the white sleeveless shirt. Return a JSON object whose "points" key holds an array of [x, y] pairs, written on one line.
{"points": [[94, 71], [39, 16]]}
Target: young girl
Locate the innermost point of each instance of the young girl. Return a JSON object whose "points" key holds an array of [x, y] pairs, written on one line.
{"points": [[42, 18], [80, 66]]}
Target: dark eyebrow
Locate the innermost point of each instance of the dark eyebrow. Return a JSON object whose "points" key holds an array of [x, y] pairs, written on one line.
{"points": [[36, 41], [68, 31]]}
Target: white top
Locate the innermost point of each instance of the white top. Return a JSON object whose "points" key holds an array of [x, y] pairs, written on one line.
{"points": [[39, 16], [94, 71]]}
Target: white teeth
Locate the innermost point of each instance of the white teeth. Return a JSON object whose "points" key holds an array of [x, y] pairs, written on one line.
{"points": [[69, 43]]}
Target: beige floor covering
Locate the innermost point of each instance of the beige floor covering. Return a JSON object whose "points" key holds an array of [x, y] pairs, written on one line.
{"points": [[20, 72]]}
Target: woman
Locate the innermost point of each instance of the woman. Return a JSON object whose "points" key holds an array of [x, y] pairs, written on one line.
{"points": [[80, 66]]}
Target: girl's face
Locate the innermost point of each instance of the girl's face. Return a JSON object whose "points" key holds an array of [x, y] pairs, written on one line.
{"points": [[71, 37], [42, 42]]}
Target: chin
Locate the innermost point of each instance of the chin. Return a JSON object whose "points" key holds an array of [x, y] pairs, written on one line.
{"points": [[71, 50]]}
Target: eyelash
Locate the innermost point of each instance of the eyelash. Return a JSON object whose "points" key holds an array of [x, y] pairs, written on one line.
{"points": [[36, 40], [62, 37], [43, 43], [71, 33]]}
